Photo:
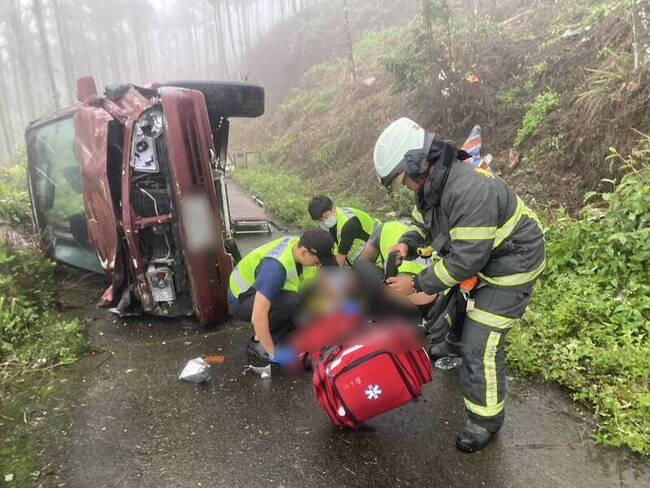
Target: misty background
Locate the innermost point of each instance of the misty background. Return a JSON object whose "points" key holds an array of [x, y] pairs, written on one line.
{"points": [[45, 45]]}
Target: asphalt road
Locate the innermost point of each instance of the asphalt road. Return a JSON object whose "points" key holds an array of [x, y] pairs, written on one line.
{"points": [[134, 424]]}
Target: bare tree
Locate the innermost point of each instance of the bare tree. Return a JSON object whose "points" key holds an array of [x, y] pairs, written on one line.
{"points": [[641, 33], [37, 9], [62, 36], [5, 113], [14, 18], [348, 42]]}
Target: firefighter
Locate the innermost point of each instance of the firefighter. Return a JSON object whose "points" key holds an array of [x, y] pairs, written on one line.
{"points": [[479, 227], [349, 227], [264, 287]]}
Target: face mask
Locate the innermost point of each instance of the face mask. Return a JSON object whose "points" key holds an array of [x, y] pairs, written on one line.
{"points": [[329, 223]]}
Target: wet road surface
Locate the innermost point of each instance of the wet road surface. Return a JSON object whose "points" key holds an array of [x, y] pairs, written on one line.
{"points": [[134, 424]]}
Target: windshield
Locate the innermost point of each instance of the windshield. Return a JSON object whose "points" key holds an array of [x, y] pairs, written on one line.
{"points": [[55, 176]]}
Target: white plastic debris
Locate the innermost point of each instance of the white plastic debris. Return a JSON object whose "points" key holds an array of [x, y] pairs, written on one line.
{"points": [[263, 372], [195, 371], [448, 362]]}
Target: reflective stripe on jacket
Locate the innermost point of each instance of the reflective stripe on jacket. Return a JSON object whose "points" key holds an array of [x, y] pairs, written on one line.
{"points": [[243, 276]]}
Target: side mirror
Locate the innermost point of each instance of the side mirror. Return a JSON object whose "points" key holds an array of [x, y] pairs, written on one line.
{"points": [[86, 89]]}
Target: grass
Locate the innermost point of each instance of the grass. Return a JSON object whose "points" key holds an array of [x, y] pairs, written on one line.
{"points": [[34, 340], [14, 199], [32, 334], [603, 82], [536, 115], [284, 195], [589, 323]]}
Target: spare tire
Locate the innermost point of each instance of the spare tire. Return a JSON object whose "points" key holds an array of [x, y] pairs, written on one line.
{"points": [[226, 98]]}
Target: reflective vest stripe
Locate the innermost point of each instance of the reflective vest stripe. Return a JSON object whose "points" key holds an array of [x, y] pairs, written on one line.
{"points": [[490, 369], [443, 275], [243, 276], [490, 319], [343, 214], [472, 233], [241, 284], [514, 279]]}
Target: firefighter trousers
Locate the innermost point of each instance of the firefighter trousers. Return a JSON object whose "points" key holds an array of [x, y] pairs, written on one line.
{"points": [[483, 372]]}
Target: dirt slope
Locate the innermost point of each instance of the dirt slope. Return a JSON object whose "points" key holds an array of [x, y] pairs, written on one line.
{"points": [[322, 127]]}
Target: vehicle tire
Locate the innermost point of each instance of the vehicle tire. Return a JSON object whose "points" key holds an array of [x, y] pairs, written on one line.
{"points": [[226, 98]]}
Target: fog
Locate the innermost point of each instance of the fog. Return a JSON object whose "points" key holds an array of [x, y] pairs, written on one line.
{"points": [[45, 45]]}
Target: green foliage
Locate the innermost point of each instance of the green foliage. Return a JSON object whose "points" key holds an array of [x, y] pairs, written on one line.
{"points": [[408, 67], [280, 150], [284, 195], [312, 102], [596, 13], [324, 153], [511, 96], [417, 63], [536, 114], [606, 81], [377, 41], [14, 197], [588, 327], [29, 329], [507, 97], [538, 69]]}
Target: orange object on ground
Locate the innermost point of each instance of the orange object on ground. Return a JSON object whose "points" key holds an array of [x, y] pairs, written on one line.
{"points": [[215, 359]]}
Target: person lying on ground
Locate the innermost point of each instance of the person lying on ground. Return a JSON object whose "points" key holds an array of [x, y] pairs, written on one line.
{"points": [[349, 227], [265, 286]]}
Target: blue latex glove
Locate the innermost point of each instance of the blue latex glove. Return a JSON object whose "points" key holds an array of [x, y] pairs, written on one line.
{"points": [[284, 356]]}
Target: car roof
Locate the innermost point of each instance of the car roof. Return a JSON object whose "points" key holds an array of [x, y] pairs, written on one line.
{"points": [[46, 119]]}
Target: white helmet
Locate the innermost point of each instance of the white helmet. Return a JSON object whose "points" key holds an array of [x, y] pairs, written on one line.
{"points": [[395, 141]]}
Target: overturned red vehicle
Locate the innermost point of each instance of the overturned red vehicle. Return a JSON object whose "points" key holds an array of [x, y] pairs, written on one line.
{"points": [[132, 184]]}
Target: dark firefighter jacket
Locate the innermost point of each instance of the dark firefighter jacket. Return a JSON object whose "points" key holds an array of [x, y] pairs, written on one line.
{"points": [[477, 225]]}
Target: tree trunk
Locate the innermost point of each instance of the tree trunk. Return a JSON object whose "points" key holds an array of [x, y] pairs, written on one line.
{"points": [[427, 18], [641, 33], [25, 85], [37, 8], [5, 116], [68, 68], [221, 42], [348, 42], [230, 31]]}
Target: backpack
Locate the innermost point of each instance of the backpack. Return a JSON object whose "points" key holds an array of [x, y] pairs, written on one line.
{"points": [[357, 383]]}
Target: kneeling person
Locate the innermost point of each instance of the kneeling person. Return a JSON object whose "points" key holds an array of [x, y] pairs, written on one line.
{"points": [[264, 286], [373, 263], [349, 227]]}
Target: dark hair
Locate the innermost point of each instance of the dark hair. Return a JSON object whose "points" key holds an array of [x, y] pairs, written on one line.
{"points": [[318, 206]]}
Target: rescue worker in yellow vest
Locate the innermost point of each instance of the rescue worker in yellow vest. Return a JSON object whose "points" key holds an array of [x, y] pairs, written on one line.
{"points": [[350, 227], [264, 287], [385, 236], [478, 226]]}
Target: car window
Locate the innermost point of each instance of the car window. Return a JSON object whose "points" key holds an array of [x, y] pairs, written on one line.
{"points": [[56, 174]]}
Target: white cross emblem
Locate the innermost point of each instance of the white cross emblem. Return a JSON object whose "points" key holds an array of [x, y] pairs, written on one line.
{"points": [[373, 392]]}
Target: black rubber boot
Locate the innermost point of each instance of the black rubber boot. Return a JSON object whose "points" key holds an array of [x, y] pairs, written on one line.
{"points": [[473, 437]]}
